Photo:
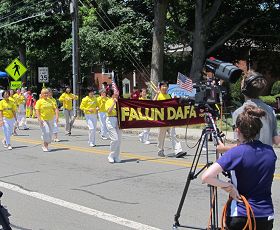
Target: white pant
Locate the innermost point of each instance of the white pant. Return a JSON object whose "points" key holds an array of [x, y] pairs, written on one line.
{"points": [[47, 131], [176, 145], [69, 119], [8, 127], [115, 135], [55, 126], [21, 116], [145, 134], [91, 120], [102, 119]]}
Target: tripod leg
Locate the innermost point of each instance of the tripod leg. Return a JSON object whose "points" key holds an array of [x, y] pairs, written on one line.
{"points": [[191, 176]]}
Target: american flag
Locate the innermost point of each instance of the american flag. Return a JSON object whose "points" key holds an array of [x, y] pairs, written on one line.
{"points": [[114, 86], [184, 82]]}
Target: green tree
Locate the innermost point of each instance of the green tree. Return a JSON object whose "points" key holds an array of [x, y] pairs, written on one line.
{"points": [[34, 37]]}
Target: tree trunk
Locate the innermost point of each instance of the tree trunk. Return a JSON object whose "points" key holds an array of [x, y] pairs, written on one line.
{"points": [[160, 11], [199, 44]]}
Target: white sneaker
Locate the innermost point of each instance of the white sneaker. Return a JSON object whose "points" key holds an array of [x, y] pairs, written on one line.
{"points": [[141, 139], [104, 138], [147, 142], [45, 149], [91, 144], [4, 144], [117, 160], [56, 140], [10, 147], [111, 159]]}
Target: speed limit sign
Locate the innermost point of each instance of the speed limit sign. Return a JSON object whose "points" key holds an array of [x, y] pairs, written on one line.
{"points": [[43, 74]]}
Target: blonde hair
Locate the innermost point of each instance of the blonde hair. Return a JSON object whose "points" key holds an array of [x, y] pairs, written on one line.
{"points": [[44, 90]]}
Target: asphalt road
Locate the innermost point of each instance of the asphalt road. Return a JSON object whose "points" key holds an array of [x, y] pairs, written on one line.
{"points": [[74, 187]]}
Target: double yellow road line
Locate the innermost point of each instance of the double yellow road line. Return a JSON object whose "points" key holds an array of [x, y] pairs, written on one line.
{"points": [[125, 155]]}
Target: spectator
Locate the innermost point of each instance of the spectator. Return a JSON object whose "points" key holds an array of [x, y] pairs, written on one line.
{"points": [[252, 166]]}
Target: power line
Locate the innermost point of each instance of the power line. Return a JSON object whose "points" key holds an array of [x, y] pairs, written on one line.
{"points": [[24, 19], [127, 45], [23, 9], [146, 76]]}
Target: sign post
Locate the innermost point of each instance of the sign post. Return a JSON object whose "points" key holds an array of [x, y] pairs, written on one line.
{"points": [[43, 75]]}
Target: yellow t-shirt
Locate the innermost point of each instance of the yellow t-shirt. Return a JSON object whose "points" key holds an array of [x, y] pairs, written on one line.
{"points": [[143, 98], [54, 101], [163, 96], [101, 101], [66, 99], [55, 104], [8, 108], [12, 100], [19, 99], [89, 103], [46, 108], [108, 105]]}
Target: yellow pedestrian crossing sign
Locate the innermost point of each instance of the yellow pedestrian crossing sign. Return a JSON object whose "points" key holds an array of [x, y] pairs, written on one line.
{"points": [[16, 69]]}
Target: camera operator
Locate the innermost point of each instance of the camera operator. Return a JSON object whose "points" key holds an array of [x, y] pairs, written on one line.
{"points": [[252, 87], [252, 165]]}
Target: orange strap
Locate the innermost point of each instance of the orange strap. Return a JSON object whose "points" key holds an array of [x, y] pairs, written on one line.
{"points": [[249, 211]]}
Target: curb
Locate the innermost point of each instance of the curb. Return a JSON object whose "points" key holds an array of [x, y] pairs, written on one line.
{"points": [[192, 134]]}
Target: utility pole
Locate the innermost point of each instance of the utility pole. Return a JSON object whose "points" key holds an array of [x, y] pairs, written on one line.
{"points": [[75, 53]]}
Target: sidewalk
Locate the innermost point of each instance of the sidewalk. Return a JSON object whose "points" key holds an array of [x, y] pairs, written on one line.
{"points": [[192, 134]]}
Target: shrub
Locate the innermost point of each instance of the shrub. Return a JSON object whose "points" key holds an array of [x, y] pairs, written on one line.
{"points": [[275, 88], [268, 99]]}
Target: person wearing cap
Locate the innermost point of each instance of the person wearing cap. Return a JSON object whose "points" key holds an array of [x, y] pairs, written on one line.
{"points": [[7, 118], [45, 111], [67, 100], [101, 101], [115, 133], [89, 106]]}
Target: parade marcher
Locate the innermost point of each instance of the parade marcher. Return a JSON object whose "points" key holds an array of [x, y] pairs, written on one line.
{"points": [[7, 118], [34, 100], [29, 108], [252, 166], [144, 136], [135, 93], [101, 100], [45, 111], [21, 113], [105, 86], [67, 100], [89, 106], [1, 92], [176, 145], [252, 87], [55, 120], [12, 99], [115, 133]]}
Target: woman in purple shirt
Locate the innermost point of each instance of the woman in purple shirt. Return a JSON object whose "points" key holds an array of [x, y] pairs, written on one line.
{"points": [[251, 165]]}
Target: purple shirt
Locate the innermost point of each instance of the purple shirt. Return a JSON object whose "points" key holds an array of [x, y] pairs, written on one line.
{"points": [[252, 167]]}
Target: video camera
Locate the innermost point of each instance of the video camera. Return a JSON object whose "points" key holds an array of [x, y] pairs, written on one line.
{"points": [[209, 90]]}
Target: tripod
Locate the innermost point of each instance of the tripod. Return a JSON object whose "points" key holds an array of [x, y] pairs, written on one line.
{"points": [[207, 133]]}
